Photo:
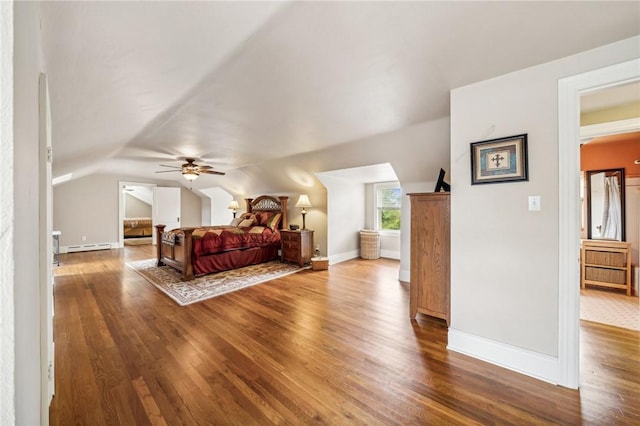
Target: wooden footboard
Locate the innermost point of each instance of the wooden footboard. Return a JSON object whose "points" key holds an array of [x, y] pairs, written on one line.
{"points": [[178, 254]]}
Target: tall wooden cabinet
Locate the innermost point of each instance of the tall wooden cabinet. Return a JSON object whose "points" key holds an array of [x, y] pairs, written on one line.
{"points": [[430, 255]]}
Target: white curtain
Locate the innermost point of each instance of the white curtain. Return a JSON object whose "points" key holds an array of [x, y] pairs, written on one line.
{"points": [[612, 215]]}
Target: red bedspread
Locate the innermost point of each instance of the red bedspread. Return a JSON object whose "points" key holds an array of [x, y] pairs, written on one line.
{"points": [[217, 239]]}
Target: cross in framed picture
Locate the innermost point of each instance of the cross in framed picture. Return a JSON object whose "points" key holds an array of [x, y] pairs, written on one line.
{"points": [[499, 160]]}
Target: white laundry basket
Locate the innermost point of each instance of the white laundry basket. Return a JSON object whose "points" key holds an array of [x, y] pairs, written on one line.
{"points": [[369, 244]]}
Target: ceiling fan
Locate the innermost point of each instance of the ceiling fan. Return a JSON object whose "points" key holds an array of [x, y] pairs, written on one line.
{"points": [[190, 170]]}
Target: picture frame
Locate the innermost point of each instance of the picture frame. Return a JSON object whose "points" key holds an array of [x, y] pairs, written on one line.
{"points": [[499, 160]]}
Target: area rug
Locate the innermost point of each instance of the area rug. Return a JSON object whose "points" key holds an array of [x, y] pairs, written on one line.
{"points": [[169, 281], [612, 308]]}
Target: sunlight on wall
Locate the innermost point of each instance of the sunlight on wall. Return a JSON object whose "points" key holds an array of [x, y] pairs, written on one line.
{"points": [[300, 176]]}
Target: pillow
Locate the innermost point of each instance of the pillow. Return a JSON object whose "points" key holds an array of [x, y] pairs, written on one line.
{"points": [[264, 217], [236, 221], [274, 221], [246, 223], [247, 215]]}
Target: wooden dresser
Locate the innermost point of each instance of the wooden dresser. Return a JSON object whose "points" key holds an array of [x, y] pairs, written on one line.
{"points": [[605, 263], [430, 255], [297, 246]]}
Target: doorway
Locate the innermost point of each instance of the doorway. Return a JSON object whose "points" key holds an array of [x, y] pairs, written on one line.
{"points": [[569, 91], [610, 142], [143, 197]]}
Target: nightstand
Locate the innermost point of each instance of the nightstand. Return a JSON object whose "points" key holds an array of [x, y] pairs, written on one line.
{"points": [[297, 246]]}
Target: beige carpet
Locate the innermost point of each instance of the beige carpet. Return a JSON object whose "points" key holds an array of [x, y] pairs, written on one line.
{"points": [[168, 280], [610, 308]]}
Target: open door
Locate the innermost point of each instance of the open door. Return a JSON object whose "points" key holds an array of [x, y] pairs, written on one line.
{"points": [[45, 209], [166, 208]]}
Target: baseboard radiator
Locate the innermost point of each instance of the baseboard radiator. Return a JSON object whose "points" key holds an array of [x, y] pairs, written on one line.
{"points": [[87, 247]]}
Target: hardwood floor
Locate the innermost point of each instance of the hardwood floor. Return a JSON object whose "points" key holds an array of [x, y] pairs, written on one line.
{"points": [[317, 347]]}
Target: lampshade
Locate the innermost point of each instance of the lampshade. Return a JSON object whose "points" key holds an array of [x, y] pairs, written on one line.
{"points": [[190, 174], [303, 201], [234, 205]]}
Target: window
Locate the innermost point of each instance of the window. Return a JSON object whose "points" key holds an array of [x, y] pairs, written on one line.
{"points": [[387, 205]]}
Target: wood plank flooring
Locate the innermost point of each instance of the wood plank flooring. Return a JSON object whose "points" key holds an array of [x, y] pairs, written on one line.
{"points": [[317, 347]]}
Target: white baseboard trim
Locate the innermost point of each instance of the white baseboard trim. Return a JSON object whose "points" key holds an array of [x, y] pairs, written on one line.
{"points": [[524, 361], [354, 254], [404, 275], [390, 254], [343, 257], [88, 247]]}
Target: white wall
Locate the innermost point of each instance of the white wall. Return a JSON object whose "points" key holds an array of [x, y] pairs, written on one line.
{"points": [[405, 224], [219, 201], [135, 207], [504, 259], [191, 208], [345, 218], [26, 215], [390, 246], [7, 226], [88, 206], [206, 211]]}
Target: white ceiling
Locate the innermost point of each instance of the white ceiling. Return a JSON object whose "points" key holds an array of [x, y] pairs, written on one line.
{"points": [[136, 84]]}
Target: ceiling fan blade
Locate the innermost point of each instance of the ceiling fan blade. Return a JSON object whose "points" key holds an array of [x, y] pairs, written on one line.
{"points": [[174, 167], [205, 167], [168, 171], [212, 172]]}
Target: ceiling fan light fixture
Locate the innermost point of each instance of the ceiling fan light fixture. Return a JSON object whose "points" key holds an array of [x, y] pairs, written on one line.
{"points": [[190, 175]]}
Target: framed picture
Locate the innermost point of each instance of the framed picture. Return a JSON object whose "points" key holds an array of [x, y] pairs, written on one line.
{"points": [[499, 160]]}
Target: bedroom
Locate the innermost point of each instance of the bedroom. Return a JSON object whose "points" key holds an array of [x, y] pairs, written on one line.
{"points": [[473, 111], [137, 226]]}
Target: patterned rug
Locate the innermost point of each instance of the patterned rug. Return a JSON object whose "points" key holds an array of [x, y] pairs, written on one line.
{"points": [[612, 308], [184, 293]]}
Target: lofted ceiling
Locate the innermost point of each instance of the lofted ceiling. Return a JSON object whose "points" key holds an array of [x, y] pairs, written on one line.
{"points": [[236, 84]]}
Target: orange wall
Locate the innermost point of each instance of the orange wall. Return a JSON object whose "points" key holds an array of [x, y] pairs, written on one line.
{"points": [[612, 152]]}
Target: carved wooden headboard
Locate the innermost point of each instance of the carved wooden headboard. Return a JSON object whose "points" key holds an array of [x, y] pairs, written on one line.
{"points": [[269, 204]]}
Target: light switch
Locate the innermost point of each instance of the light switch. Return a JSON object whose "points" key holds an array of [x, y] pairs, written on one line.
{"points": [[534, 203]]}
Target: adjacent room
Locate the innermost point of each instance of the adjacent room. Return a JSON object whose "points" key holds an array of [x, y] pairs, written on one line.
{"points": [[137, 226], [610, 196]]}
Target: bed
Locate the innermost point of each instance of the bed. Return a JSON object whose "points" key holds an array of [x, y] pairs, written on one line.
{"points": [[136, 227], [252, 238]]}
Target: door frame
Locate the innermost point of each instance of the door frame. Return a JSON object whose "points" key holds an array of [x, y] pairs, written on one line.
{"points": [[569, 91], [121, 206]]}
